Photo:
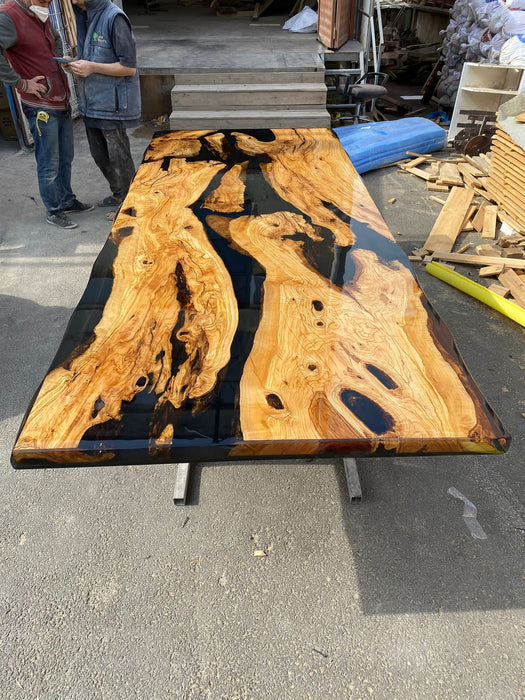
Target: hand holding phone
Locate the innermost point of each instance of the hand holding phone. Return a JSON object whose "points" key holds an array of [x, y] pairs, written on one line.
{"points": [[62, 60]]}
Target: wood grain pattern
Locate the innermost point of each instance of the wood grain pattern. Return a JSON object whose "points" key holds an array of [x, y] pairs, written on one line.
{"points": [[251, 301]]}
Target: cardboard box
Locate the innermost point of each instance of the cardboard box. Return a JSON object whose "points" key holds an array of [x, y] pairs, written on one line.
{"points": [[7, 127]]}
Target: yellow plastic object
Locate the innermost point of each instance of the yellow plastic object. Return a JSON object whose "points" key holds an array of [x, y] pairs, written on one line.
{"points": [[41, 117], [504, 306]]}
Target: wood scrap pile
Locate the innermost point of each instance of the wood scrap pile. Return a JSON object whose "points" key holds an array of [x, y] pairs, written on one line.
{"points": [[497, 240], [441, 174]]}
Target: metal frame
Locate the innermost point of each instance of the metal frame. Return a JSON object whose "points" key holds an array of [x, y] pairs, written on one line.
{"points": [[182, 477]]}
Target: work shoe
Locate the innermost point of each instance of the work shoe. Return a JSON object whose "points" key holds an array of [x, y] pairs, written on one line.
{"points": [[77, 206], [110, 201], [60, 219]]}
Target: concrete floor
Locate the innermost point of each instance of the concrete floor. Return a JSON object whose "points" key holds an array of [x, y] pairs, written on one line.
{"points": [[108, 591]]}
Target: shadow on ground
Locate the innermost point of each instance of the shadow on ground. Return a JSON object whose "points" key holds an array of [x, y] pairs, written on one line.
{"points": [[31, 359]]}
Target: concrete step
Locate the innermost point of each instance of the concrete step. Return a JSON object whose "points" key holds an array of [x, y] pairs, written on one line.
{"points": [[307, 118], [245, 78], [247, 95]]}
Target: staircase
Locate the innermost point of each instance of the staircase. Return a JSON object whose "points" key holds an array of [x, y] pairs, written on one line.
{"points": [[253, 99]]}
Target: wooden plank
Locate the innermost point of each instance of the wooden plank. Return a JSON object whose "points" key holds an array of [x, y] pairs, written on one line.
{"points": [[489, 221], [510, 279], [477, 222], [490, 250], [420, 173], [510, 206], [485, 194], [434, 187], [483, 165], [483, 182], [479, 168], [505, 218], [512, 252], [449, 222], [505, 141], [505, 198], [414, 163], [508, 163], [499, 289], [502, 133], [431, 157], [505, 155], [449, 175], [420, 251], [467, 224], [491, 270], [501, 149], [479, 260], [246, 316], [507, 187], [508, 170], [508, 239], [468, 178]]}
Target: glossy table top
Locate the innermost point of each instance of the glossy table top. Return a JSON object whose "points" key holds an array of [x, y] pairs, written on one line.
{"points": [[251, 302]]}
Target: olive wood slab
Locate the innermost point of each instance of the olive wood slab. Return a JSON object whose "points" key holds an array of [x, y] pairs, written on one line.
{"points": [[251, 302]]}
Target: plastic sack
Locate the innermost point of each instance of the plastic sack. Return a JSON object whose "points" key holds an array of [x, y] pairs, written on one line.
{"points": [[303, 22], [513, 51], [516, 22]]}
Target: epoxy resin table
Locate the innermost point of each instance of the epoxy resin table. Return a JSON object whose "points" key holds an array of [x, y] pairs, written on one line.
{"points": [[251, 302]]}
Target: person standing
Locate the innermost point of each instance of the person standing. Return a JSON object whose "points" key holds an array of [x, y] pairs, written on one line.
{"points": [[28, 48], [109, 90]]}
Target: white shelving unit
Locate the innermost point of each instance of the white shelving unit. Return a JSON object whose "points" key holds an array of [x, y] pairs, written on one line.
{"points": [[483, 87]]}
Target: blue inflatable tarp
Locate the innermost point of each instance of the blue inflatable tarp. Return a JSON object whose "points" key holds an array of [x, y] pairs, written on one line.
{"points": [[373, 144]]}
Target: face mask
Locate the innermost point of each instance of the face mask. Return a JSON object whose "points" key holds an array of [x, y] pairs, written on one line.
{"points": [[41, 12]]}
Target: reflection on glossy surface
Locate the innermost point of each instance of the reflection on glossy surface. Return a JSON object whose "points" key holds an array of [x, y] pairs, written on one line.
{"points": [[251, 301]]}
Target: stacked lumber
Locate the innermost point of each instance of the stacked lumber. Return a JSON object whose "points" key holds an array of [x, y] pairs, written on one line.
{"points": [[507, 173]]}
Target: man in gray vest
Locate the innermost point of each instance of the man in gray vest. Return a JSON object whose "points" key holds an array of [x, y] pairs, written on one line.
{"points": [[109, 91]]}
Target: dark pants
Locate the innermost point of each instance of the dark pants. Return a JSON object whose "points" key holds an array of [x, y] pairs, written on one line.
{"points": [[111, 152], [53, 136]]}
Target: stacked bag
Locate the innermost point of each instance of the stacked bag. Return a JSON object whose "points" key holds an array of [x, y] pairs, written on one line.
{"points": [[478, 32]]}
